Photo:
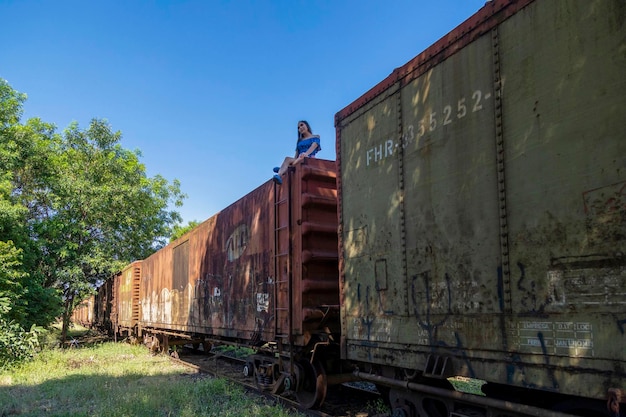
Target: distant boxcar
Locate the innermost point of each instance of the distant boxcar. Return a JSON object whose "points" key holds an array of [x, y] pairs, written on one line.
{"points": [[125, 304], [83, 313], [103, 304], [482, 191]]}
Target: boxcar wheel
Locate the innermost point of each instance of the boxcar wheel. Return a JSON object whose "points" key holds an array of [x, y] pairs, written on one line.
{"points": [[312, 386], [248, 369]]}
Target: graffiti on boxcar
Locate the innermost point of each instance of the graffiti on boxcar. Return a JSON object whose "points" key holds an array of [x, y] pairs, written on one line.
{"points": [[240, 303], [556, 290], [179, 305], [262, 285], [516, 373], [366, 320], [528, 298], [465, 358], [263, 306], [237, 242], [424, 297], [609, 200], [369, 326], [165, 306], [431, 122], [262, 302], [207, 296]]}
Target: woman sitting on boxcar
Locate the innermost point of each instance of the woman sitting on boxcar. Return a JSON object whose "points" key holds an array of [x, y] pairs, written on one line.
{"points": [[307, 146]]}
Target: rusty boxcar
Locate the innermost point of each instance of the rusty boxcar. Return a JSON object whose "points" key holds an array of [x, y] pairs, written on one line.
{"points": [[493, 241], [264, 270], [103, 303], [125, 303], [83, 313]]}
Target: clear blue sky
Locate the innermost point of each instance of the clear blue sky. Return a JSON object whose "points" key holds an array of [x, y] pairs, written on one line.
{"points": [[211, 91]]}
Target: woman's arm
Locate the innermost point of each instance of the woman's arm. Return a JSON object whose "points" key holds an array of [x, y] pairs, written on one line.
{"points": [[309, 151]]}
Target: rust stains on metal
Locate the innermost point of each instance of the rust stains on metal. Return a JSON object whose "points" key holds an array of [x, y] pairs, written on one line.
{"points": [[127, 291], [262, 268]]}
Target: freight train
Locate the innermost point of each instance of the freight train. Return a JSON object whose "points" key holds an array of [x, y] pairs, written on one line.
{"points": [[473, 224]]}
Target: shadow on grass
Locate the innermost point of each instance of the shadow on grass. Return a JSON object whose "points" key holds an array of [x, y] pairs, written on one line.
{"points": [[95, 378], [133, 394], [117, 379]]}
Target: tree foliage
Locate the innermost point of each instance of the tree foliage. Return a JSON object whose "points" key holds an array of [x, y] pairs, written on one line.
{"points": [[75, 207], [178, 231]]}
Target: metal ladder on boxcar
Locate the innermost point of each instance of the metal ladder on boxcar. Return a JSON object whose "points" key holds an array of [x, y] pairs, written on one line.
{"points": [[282, 262], [136, 296]]}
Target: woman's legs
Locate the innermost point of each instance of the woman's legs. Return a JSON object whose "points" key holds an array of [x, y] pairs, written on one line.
{"points": [[283, 168]]}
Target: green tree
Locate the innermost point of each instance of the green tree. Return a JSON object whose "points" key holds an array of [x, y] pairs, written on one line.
{"points": [[24, 301], [23, 151], [178, 231], [75, 207], [15, 343], [30, 171], [105, 212]]}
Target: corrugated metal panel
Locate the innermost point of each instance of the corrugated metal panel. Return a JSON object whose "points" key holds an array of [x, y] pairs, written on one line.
{"points": [[307, 255], [128, 295], [493, 170]]}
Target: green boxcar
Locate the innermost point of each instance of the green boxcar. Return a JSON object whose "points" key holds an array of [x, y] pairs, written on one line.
{"points": [[493, 241]]}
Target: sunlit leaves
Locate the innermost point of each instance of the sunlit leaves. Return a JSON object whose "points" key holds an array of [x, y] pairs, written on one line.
{"points": [[76, 206]]}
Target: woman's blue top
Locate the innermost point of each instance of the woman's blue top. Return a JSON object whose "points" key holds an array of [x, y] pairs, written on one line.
{"points": [[304, 145]]}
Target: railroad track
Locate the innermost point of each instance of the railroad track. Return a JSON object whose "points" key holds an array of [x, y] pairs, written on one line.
{"points": [[341, 401]]}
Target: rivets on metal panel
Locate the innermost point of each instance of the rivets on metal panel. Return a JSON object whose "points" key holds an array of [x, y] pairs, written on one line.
{"points": [[500, 163]]}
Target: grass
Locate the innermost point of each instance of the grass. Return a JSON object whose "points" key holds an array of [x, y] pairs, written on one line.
{"points": [[100, 378], [117, 379], [233, 351]]}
